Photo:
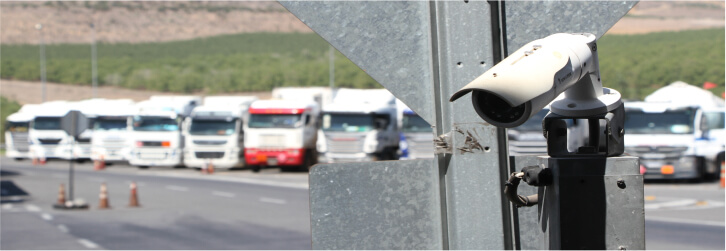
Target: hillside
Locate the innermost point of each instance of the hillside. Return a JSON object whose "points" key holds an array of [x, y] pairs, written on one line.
{"points": [[139, 21], [159, 21]]}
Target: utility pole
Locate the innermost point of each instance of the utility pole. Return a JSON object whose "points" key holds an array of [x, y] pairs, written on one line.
{"points": [[39, 27], [94, 71], [331, 54]]}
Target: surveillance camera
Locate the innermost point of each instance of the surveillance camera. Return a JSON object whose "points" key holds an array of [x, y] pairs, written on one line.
{"points": [[529, 79]]}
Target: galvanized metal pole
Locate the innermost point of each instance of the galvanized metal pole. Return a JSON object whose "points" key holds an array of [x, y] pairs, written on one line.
{"points": [[39, 27], [94, 70], [331, 55], [467, 43]]}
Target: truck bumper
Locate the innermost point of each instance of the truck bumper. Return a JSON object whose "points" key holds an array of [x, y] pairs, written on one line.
{"points": [[281, 157], [155, 157], [219, 158], [659, 169], [342, 158]]}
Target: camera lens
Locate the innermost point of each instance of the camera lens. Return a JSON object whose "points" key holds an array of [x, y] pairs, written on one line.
{"points": [[497, 111]]}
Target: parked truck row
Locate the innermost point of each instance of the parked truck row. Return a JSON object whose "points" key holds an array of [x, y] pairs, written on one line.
{"points": [[294, 130]]}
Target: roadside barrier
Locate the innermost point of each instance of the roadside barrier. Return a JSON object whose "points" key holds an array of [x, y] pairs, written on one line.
{"points": [[61, 195], [134, 200], [103, 197]]}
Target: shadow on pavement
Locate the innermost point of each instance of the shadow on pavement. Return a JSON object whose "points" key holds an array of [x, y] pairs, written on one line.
{"points": [[9, 192]]}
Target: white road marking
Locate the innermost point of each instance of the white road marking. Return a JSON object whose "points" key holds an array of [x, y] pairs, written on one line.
{"points": [[223, 194], [273, 200], [46, 216], [32, 208], [88, 244], [177, 188], [63, 228], [685, 221], [677, 203]]}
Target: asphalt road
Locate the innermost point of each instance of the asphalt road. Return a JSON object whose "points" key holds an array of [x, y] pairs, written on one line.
{"points": [[684, 216], [176, 212], [182, 209]]}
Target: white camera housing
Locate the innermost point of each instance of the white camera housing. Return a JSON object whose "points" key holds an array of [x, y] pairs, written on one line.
{"points": [[526, 81]]}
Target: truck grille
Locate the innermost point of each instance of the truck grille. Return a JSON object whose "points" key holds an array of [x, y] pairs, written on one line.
{"points": [[656, 152], [20, 141], [272, 141], [209, 155], [345, 143], [49, 141], [209, 142]]}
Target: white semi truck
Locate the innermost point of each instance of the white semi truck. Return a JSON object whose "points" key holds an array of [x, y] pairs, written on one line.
{"points": [[214, 132], [703, 147], [17, 127], [360, 125], [156, 134], [47, 139], [110, 140], [281, 133], [665, 137]]}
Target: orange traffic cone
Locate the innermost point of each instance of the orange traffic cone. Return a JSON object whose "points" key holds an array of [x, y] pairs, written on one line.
{"points": [[42, 161], [134, 200], [35, 161], [103, 197], [61, 195], [723, 178], [99, 164], [210, 168]]}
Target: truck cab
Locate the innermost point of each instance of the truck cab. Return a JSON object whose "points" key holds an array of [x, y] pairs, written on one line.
{"points": [[109, 142], [281, 133], [156, 135], [360, 125], [214, 132], [17, 127], [664, 136], [47, 139]]}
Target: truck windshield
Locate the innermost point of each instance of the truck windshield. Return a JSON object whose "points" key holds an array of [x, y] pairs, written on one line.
{"points": [[47, 123], [533, 124], [669, 122], [275, 121], [154, 124], [414, 123], [715, 120], [17, 126], [107, 124], [212, 127], [340, 122]]}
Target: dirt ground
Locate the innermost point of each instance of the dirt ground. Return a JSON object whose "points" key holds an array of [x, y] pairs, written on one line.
{"points": [[136, 22], [31, 92]]}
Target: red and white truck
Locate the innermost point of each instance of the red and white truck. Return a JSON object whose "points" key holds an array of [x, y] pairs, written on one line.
{"points": [[281, 133]]}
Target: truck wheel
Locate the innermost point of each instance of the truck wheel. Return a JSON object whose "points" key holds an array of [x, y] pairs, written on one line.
{"points": [[256, 169], [143, 167]]}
